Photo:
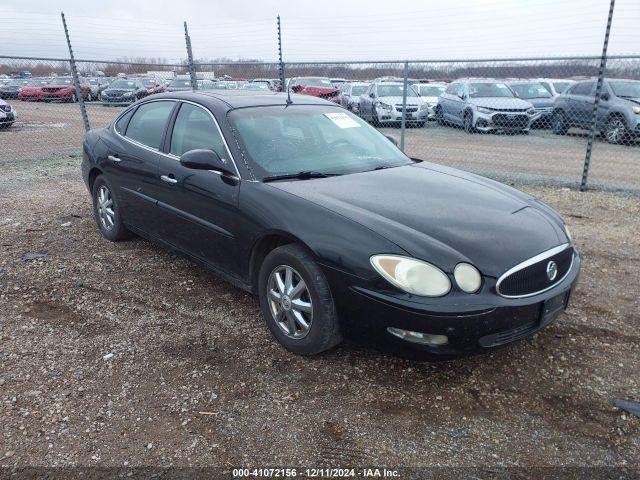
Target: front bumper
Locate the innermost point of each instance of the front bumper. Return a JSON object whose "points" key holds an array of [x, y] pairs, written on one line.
{"points": [[9, 94], [502, 121], [472, 323], [116, 100], [7, 117]]}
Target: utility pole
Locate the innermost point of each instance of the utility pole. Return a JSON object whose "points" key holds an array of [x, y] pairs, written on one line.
{"points": [[74, 75]]}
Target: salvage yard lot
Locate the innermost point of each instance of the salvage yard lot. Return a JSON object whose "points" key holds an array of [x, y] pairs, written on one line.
{"points": [[196, 379], [43, 129]]}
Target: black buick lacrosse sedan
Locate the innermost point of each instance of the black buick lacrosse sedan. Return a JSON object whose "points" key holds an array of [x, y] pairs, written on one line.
{"points": [[329, 223]]}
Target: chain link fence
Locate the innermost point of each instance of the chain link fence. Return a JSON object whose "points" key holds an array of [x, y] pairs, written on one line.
{"points": [[515, 120]]}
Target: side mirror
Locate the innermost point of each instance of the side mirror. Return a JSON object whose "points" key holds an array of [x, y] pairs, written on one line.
{"points": [[202, 159], [392, 140], [604, 96], [372, 95]]}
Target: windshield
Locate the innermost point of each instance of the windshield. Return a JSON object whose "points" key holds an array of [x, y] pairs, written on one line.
{"points": [[180, 83], [358, 90], [36, 83], [61, 81], [625, 89], [125, 84], [16, 83], [287, 140], [431, 90], [149, 82], [531, 90], [395, 90], [477, 90], [561, 86], [313, 82]]}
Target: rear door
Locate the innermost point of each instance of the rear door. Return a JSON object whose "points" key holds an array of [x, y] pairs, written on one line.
{"points": [[200, 207], [581, 98], [132, 162], [449, 100]]}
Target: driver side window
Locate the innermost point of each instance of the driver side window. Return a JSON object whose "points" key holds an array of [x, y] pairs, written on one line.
{"points": [[194, 129]]}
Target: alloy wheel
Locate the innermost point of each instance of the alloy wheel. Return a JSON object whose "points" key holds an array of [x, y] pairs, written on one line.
{"points": [[615, 130], [106, 213], [290, 302]]}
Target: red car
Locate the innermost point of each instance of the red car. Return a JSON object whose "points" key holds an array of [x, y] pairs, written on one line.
{"points": [[152, 85], [61, 89], [316, 87], [32, 90]]}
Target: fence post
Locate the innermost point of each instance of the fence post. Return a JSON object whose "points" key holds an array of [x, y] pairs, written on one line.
{"points": [[403, 123], [280, 54], [192, 67], [76, 81], [596, 103]]}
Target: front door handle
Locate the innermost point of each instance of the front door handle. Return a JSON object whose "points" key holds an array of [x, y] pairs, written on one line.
{"points": [[113, 158], [167, 179]]}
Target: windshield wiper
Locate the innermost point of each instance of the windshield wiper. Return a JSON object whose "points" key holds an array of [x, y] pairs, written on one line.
{"points": [[304, 175]]}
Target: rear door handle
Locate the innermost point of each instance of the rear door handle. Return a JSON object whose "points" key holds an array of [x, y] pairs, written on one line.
{"points": [[167, 179], [113, 158]]}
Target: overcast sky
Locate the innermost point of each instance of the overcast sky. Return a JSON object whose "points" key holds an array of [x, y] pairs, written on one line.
{"points": [[326, 30]]}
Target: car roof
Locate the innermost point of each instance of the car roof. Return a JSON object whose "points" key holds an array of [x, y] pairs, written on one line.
{"points": [[244, 98]]}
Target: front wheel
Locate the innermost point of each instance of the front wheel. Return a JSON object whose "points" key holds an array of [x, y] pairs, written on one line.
{"points": [[107, 212], [468, 123], [615, 131], [296, 301], [560, 123]]}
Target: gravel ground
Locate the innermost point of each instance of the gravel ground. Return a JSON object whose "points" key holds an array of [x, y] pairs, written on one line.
{"points": [[44, 130], [123, 354]]}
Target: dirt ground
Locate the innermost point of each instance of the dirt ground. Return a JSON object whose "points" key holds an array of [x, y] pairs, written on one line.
{"points": [[45, 130], [124, 355]]}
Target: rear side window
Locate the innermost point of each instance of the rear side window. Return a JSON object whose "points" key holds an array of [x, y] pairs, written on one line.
{"points": [[123, 121], [148, 123], [194, 128], [583, 88]]}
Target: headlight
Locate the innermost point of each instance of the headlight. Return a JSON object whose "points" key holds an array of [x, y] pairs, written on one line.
{"points": [[384, 106], [467, 277], [635, 109], [484, 110], [568, 233], [128, 94], [411, 275]]}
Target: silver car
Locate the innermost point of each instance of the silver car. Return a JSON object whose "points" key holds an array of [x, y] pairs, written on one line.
{"points": [[7, 114], [430, 93], [484, 105], [381, 104], [350, 95]]}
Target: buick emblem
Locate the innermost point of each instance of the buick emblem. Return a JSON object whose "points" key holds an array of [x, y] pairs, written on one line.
{"points": [[552, 270]]}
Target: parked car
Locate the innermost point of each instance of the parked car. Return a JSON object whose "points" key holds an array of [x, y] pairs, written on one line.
{"points": [[314, 86], [123, 91], [33, 89], [618, 116], [255, 86], [11, 88], [62, 89], [430, 93], [7, 114], [381, 104], [269, 82], [329, 223], [537, 95], [350, 93], [484, 105], [336, 82], [179, 84], [153, 85], [556, 86], [97, 86]]}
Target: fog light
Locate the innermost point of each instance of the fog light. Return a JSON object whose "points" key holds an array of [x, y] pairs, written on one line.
{"points": [[419, 337]]}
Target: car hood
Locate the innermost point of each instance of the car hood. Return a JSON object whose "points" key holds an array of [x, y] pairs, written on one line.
{"points": [[412, 101], [500, 102], [541, 102], [634, 100], [440, 215], [318, 91]]}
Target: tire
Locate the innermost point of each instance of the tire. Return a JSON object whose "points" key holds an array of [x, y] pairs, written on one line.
{"points": [[323, 330], [560, 123], [89, 97], [440, 116], [467, 123], [113, 230], [73, 98], [615, 130], [420, 124]]}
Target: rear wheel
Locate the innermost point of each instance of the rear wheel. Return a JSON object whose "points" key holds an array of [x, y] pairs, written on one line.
{"points": [[615, 130], [439, 115], [74, 98], [107, 212], [560, 123], [296, 301]]}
